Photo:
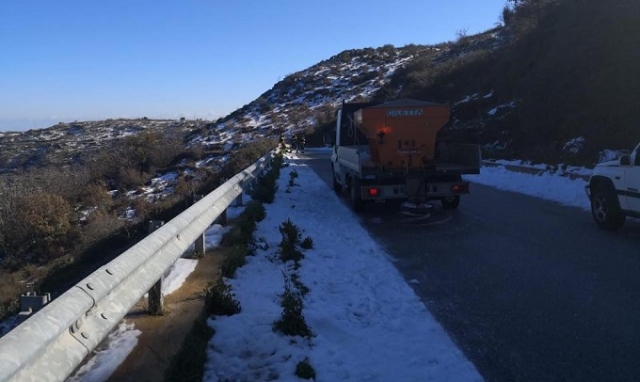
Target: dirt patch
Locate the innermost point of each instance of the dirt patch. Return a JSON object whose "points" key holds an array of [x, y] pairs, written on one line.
{"points": [[162, 336]]}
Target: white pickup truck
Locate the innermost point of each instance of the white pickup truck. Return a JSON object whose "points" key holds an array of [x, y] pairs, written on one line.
{"points": [[614, 191]]}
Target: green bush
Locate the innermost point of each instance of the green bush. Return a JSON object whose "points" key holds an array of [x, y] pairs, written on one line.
{"points": [[266, 187], [290, 239], [241, 233], [220, 300], [290, 233], [291, 322], [292, 176], [235, 258], [290, 253], [304, 370], [255, 211], [307, 243], [188, 364]]}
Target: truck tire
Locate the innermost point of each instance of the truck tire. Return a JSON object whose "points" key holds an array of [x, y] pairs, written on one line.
{"points": [[354, 195], [451, 202], [605, 208], [337, 187]]}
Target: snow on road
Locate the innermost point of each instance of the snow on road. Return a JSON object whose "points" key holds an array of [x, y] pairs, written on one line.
{"points": [[546, 186]]}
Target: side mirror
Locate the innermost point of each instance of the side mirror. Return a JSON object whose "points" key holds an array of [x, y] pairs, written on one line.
{"points": [[625, 160]]}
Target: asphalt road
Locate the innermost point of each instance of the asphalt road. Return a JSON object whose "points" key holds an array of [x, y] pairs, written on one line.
{"points": [[530, 290]]}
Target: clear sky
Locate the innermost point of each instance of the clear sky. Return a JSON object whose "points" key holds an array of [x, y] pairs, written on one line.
{"points": [[70, 60]]}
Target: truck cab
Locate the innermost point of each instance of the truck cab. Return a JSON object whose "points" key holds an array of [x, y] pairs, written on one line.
{"points": [[614, 191]]}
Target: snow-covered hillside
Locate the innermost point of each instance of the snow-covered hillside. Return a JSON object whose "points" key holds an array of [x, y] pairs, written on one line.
{"points": [[301, 101]]}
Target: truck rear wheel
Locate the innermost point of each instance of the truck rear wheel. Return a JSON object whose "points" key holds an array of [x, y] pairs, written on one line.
{"points": [[354, 195], [451, 202], [605, 208], [337, 187]]}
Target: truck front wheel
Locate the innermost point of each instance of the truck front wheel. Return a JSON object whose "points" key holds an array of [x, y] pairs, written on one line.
{"points": [[451, 202], [605, 208]]}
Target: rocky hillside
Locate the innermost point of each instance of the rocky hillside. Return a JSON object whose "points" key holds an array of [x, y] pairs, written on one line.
{"points": [[561, 86], [76, 142]]}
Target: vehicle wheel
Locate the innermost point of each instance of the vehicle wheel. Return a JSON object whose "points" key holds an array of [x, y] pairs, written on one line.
{"points": [[337, 187], [451, 202], [605, 208], [354, 195]]}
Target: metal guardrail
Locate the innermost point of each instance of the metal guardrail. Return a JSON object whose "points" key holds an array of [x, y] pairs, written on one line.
{"points": [[49, 345]]}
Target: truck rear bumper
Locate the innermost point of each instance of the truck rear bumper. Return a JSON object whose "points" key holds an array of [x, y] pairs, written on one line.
{"points": [[401, 191]]}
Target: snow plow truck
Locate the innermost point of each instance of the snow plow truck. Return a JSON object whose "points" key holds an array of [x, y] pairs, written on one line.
{"points": [[393, 151]]}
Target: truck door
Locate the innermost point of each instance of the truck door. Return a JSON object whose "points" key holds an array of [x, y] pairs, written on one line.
{"points": [[632, 182], [336, 144]]}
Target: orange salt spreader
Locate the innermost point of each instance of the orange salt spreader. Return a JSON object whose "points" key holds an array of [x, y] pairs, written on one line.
{"points": [[402, 134]]}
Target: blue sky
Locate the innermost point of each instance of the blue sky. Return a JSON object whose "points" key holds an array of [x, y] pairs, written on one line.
{"points": [[85, 60]]}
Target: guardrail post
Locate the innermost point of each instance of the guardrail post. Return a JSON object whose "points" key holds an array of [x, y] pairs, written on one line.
{"points": [[31, 302], [154, 299], [238, 202]]}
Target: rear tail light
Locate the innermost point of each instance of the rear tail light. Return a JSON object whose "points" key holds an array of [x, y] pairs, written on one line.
{"points": [[460, 187], [374, 191]]}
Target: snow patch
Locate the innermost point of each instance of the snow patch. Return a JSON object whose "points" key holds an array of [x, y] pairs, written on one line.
{"points": [[99, 368]]}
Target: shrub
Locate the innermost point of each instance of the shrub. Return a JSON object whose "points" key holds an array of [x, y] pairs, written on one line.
{"points": [[241, 233], [220, 300], [290, 233], [290, 253], [266, 187], [188, 363], [291, 322], [130, 178], [99, 226], [307, 243], [97, 195], [235, 258], [142, 208], [304, 370], [39, 226], [290, 238], [255, 211], [47, 215], [185, 186], [292, 176]]}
